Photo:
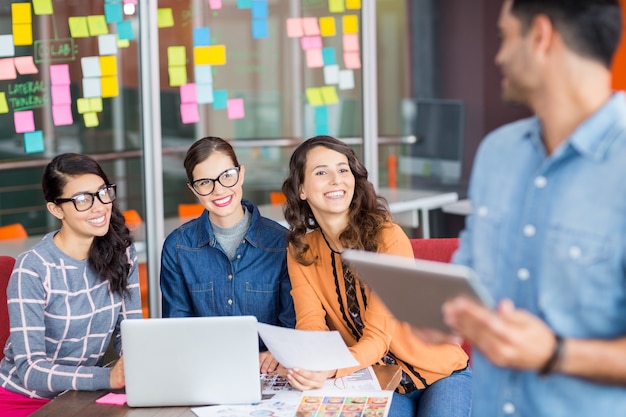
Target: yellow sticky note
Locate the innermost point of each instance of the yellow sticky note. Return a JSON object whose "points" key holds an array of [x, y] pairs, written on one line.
{"points": [[108, 65], [329, 94], [42, 7], [22, 34], [336, 6], [109, 87], [165, 18], [353, 4], [314, 96], [20, 13], [78, 27], [95, 103], [176, 56], [97, 25], [209, 55], [327, 26], [91, 119], [83, 105], [178, 76], [350, 23], [123, 43], [4, 106]]}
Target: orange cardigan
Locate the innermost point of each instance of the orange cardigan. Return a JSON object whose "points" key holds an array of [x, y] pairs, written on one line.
{"points": [[315, 297]]}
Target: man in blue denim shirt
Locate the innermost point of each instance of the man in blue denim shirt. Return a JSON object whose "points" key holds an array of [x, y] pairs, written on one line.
{"points": [[547, 235], [230, 261]]}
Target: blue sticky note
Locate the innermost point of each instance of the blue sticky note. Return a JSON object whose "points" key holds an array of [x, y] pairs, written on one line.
{"points": [[259, 9], [203, 74], [125, 30], [259, 28], [33, 142], [321, 129], [204, 93], [113, 12], [220, 99], [321, 115], [201, 36], [328, 56], [244, 4]]}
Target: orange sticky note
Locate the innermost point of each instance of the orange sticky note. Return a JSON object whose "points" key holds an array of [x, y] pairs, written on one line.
{"points": [[314, 58], [294, 27], [21, 13], [22, 34], [327, 26], [350, 23], [78, 27], [97, 25], [352, 60], [109, 86], [108, 65], [25, 65]]}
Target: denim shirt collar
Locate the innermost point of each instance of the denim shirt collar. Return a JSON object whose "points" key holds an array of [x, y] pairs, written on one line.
{"points": [[206, 236]]}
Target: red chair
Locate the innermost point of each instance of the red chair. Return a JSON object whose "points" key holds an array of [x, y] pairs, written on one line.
{"points": [[6, 267], [441, 250]]}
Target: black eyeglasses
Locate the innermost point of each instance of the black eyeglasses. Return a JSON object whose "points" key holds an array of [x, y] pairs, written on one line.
{"points": [[84, 201], [205, 186]]}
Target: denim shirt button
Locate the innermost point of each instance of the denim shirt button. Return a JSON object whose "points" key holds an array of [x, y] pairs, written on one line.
{"points": [[238, 256], [483, 211], [575, 252], [230, 301], [529, 230], [541, 182], [523, 274], [508, 408], [230, 276]]}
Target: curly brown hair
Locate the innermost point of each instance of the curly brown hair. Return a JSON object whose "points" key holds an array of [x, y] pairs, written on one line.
{"points": [[368, 211]]}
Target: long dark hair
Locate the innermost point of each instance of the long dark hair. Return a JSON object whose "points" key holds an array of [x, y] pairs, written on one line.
{"points": [[368, 211], [107, 254]]}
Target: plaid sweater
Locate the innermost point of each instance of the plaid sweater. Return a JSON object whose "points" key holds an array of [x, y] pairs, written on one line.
{"points": [[62, 319]]}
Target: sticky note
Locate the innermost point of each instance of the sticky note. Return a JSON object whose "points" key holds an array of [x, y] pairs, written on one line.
{"points": [[201, 36], [321, 129], [244, 4], [21, 13], [350, 23], [60, 74], [328, 54], [112, 398], [259, 9], [346, 79], [165, 18], [109, 86], [90, 66], [7, 69], [321, 115], [178, 76], [236, 108], [125, 30], [113, 12], [204, 93], [123, 43], [209, 55], [215, 4], [259, 29], [83, 105], [108, 65], [91, 119], [24, 121], [329, 94], [188, 93], [78, 27], [97, 25], [176, 55], [203, 74], [331, 74], [314, 58], [220, 99], [61, 94], [92, 87], [6, 46], [33, 142], [25, 65], [42, 7], [107, 44], [310, 26], [189, 113], [62, 115], [352, 60], [294, 27], [23, 34], [4, 106], [327, 26], [95, 104], [353, 4], [350, 42], [336, 6], [314, 96]]}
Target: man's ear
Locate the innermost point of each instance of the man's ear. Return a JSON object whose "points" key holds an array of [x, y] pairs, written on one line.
{"points": [[55, 210], [542, 33]]}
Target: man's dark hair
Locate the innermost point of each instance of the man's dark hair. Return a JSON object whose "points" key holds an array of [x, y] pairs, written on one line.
{"points": [[591, 28]]}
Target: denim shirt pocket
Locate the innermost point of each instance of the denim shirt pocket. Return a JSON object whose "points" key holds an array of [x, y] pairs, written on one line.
{"points": [[203, 295], [486, 243], [262, 300]]}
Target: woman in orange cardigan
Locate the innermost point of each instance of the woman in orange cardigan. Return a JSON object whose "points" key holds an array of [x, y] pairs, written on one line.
{"points": [[332, 206]]}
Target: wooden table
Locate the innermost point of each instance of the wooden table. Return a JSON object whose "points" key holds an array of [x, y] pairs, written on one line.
{"points": [[82, 403]]}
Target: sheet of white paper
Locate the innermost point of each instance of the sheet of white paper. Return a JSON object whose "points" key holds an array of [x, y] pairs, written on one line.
{"points": [[310, 350], [273, 407]]}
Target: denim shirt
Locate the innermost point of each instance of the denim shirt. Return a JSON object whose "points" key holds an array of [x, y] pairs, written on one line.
{"points": [[198, 279], [549, 232]]}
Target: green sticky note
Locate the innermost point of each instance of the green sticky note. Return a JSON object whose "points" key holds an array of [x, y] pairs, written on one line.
{"points": [[42, 7], [97, 25], [165, 18], [78, 27], [314, 96], [4, 107]]}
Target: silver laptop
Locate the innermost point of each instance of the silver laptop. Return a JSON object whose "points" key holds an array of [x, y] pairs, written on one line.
{"points": [[191, 361], [414, 289]]}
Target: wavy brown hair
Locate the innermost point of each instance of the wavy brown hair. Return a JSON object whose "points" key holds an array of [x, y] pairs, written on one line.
{"points": [[368, 211]]}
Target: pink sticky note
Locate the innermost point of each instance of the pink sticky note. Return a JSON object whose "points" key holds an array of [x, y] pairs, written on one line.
{"points": [[62, 114], [60, 74], [314, 58], [7, 69], [311, 42], [311, 26], [130, 1], [351, 42], [188, 93], [215, 4], [294, 27], [26, 65], [61, 94], [236, 109], [352, 60], [189, 113], [24, 121], [112, 398]]}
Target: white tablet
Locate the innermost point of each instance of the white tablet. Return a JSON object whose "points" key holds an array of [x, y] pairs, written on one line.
{"points": [[414, 289]]}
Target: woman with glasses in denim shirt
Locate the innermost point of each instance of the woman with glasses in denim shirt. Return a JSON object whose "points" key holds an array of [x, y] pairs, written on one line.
{"points": [[230, 261], [69, 293]]}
